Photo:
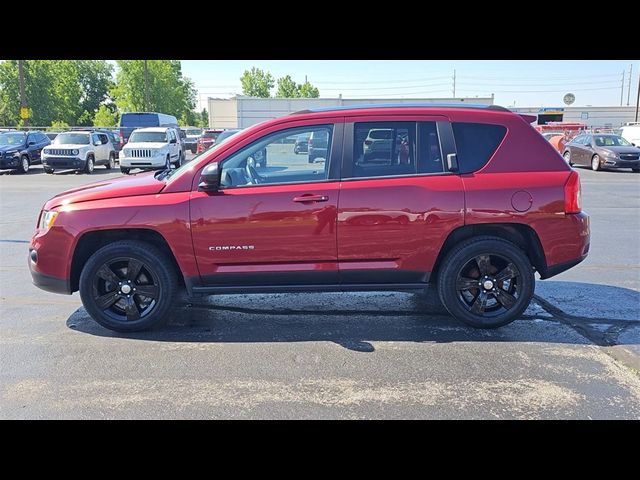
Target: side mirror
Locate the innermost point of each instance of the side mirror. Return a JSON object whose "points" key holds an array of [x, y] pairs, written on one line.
{"points": [[31, 143], [97, 143], [210, 178], [173, 140]]}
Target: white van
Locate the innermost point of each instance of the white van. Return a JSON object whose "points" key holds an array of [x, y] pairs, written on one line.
{"points": [[631, 133]]}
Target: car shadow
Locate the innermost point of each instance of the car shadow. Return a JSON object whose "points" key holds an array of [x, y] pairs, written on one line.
{"points": [[353, 321]]}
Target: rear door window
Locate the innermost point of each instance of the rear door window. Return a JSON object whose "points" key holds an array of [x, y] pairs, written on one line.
{"points": [[476, 143]]}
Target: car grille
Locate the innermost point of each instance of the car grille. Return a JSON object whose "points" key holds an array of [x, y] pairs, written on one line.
{"points": [[58, 151], [629, 156], [140, 153]]}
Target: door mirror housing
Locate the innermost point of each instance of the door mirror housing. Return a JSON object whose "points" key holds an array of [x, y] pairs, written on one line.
{"points": [[210, 178], [31, 143], [97, 143]]}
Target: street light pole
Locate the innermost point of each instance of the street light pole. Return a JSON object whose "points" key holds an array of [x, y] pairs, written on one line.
{"points": [[638, 98]]}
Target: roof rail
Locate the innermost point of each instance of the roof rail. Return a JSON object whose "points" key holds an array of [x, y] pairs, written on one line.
{"points": [[402, 105]]}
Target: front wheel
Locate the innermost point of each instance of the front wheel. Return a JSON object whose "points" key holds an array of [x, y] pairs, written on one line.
{"points": [[567, 157], [167, 163], [179, 161], [88, 168], [124, 170], [486, 282], [128, 286], [595, 163], [112, 161], [48, 170], [24, 164]]}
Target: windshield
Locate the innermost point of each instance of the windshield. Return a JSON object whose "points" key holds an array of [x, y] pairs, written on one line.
{"points": [[213, 135], [611, 141], [194, 132], [224, 135], [148, 137], [12, 138], [380, 134], [72, 139]]}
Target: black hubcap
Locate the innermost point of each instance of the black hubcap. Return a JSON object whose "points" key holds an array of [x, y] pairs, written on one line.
{"points": [[126, 289], [488, 285]]}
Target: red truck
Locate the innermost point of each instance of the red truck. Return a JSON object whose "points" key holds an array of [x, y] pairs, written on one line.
{"points": [[471, 199]]}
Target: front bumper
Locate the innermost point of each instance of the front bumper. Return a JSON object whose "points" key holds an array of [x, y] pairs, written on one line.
{"points": [[9, 162], [618, 163], [63, 162], [48, 283], [152, 162]]}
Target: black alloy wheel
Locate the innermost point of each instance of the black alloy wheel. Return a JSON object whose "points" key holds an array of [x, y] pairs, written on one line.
{"points": [[486, 282], [128, 286]]}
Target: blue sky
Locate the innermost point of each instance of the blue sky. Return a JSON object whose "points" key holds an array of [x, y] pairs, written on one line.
{"points": [[523, 82]]}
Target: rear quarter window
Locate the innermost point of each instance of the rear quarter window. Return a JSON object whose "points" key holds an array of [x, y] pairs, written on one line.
{"points": [[476, 143]]}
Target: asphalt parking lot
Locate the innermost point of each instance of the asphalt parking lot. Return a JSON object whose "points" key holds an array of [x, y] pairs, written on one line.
{"points": [[574, 354]]}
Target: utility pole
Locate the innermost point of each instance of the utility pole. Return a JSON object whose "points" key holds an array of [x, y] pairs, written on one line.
{"points": [[305, 79], [638, 99], [622, 87], [454, 83], [23, 98], [629, 88], [146, 87]]}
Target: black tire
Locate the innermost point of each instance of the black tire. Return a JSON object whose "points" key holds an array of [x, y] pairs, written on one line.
{"points": [[567, 157], [505, 258], [179, 161], [135, 312], [636, 170], [124, 170], [312, 159], [89, 165], [112, 161], [167, 164], [48, 170], [595, 163], [296, 150], [25, 163]]}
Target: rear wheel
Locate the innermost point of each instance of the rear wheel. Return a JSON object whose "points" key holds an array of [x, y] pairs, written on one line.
{"points": [[24, 164], [112, 161], [88, 168], [179, 161], [128, 286], [595, 163], [486, 282]]}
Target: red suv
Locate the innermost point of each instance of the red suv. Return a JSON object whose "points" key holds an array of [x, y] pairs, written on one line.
{"points": [[207, 139], [470, 198]]}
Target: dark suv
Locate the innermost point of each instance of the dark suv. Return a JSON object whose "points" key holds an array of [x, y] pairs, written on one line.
{"points": [[19, 150], [472, 199]]}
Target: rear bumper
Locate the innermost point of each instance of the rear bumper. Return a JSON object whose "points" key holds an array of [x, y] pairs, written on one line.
{"points": [[566, 243]]}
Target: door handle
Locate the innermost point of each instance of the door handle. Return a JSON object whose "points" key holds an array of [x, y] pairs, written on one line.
{"points": [[308, 198]]}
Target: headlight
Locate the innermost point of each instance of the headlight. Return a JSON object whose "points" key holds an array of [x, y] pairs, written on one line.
{"points": [[610, 154], [47, 219], [75, 152]]}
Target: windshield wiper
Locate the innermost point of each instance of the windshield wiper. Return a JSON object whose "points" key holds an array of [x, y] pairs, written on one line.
{"points": [[162, 174]]}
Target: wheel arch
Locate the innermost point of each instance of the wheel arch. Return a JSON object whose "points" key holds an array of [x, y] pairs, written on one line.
{"points": [[93, 240], [519, 234]]}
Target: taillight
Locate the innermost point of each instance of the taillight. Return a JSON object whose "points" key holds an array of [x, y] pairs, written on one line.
{"points": [[573, 194]]}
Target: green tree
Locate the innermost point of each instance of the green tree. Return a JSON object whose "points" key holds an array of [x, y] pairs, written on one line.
{"points": [[203, 121], [256, 83], [309, 91], [105, 117], [63, 90], [287, 88], [58, 125], [167, 90]]}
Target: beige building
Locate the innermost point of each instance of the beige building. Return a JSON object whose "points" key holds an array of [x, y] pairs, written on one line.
{"points": [[242, 112]]}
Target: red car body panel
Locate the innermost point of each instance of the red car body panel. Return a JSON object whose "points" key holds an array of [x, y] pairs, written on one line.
{"points": [[365, 226]]}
